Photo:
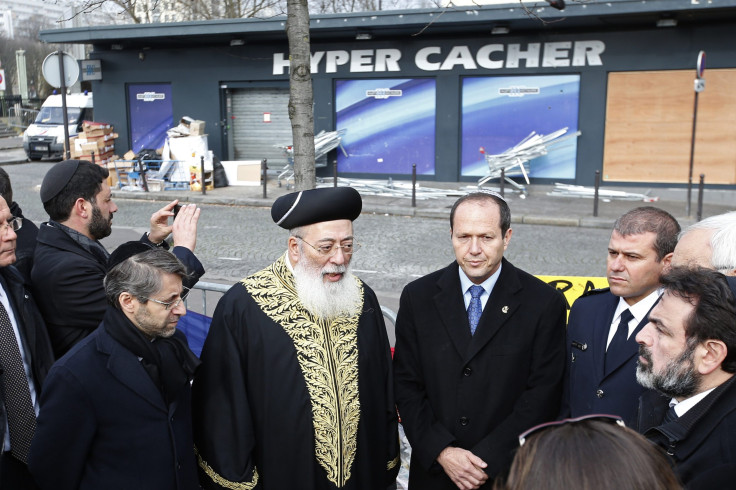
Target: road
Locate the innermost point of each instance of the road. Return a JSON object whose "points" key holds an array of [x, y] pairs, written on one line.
{"points": [[234, 241]]}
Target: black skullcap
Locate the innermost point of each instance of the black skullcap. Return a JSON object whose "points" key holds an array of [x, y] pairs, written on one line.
{"points": [[125, 251], [56, 178], [315, 206]]}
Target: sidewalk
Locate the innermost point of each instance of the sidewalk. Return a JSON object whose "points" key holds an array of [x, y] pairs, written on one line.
{"points": [[537, 208]]}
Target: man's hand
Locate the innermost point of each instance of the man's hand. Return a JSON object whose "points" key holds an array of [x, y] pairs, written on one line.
{"points": [[464, 468], [160, 228], [185, 226]]}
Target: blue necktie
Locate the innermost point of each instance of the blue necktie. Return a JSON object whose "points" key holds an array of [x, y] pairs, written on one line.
{"points": [[474, 309]]}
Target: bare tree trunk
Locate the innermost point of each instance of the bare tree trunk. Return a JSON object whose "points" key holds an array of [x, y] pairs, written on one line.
{"points": [[301, 95]]}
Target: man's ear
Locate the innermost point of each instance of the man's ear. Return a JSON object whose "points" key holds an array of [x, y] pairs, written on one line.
{"points": [[127, 302], [293, 248], [667, 261], [712, 354], [82, 208]]}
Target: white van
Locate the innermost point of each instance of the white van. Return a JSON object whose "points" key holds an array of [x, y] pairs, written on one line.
{"points": [[45, 137]]}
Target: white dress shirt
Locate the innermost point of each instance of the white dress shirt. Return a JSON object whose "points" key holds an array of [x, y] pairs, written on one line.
{"points": [[638, 310]]}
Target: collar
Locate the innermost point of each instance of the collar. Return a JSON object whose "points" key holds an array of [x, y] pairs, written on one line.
{"points": [[682, 407], [487, 285], [639, 310], [92, 246]]}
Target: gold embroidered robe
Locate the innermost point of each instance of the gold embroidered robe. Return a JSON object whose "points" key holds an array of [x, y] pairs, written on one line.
{"points": [[284, 400]]}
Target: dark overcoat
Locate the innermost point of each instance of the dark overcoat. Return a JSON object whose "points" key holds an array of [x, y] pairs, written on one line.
{"points": [[67, 283], [104, 424], [476, 392], [701, 443], [589, 387], [35, 339]]}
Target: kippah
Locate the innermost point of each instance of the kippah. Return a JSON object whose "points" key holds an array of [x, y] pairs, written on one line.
{"points": [[315, 206], [126, 251], [56, 178]]}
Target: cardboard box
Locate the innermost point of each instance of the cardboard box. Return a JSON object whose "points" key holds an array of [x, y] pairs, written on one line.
{"points": [[130, 155], [196, 128]]}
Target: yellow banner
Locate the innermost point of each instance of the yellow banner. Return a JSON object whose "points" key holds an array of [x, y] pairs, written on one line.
{"points": [[574, 286]]}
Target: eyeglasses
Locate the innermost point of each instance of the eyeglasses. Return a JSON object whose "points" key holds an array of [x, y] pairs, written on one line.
{"points": [[611, 419], [329, 250], [170, 305], [14, 224]]}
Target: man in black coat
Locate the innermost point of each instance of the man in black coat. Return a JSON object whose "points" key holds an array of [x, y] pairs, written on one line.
{"points": [[479, 354], [116, 409], [70, 262], [26, 242], [24, 338], [688, 355]]}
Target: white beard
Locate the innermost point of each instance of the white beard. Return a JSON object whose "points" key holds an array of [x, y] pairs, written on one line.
{"points": [[327, 300]]}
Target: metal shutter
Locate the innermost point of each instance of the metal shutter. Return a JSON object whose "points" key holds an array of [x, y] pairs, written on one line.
{"points": [[254, 139]]}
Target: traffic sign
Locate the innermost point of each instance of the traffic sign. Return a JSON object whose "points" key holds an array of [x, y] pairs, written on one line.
{"points": [[701, 64], [52, 73], [2, 79]]}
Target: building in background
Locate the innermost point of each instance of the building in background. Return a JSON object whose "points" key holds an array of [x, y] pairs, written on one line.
{"points": [[432, 87]]}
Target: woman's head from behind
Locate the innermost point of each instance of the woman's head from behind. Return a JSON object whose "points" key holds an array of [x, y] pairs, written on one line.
{"points": [[589, 454]]}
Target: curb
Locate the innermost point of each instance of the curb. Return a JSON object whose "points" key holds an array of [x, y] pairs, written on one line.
{"points": [[368, 208]]}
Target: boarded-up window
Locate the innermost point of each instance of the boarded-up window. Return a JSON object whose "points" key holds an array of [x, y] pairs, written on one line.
{"points": [[649, 117]]}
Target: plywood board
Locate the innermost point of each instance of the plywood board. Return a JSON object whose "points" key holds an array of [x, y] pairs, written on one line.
{"points": [[649, 117]]}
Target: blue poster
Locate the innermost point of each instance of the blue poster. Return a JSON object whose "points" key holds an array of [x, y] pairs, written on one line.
{"points": [[389, 125], [499, 112], [151, 114]]}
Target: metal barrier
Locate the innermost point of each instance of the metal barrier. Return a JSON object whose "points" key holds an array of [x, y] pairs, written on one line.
{"points": [[21, 117], [204, 287]]}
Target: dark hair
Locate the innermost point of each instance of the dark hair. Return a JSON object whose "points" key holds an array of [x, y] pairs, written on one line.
{"points": [[481, 197], [6, 190], [85, 183], [589, 454], [647, 219], [140, 275], [714, 316]]}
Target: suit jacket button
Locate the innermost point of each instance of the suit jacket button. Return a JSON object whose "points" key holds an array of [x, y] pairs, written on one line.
{"points": [[464, 421], [599, 393], [467, 371]]}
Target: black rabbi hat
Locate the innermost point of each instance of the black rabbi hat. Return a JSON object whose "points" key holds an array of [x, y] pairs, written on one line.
{"points": [[315, 206]]}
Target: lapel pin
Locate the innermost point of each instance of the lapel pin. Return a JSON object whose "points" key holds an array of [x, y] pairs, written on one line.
{"points": [[505, 309]]}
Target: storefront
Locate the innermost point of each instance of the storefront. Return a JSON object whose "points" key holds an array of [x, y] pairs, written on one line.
{"points": [[442, 90]]}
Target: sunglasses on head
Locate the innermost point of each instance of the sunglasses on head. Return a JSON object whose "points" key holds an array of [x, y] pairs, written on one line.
{"points": [[611, 419]]}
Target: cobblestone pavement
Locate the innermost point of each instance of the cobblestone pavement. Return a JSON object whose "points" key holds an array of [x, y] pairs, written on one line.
{"points": [[234, 241]]}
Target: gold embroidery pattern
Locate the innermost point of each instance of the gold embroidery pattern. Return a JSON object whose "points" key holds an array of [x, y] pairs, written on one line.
{"points": [[328, 357], [392, 464], [224, 483]]}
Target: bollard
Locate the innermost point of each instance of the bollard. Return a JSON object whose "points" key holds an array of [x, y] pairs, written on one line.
{"points": [[413, 185], [264, 176], [334, 173], [502, 182], [142, 170], [701, 188], [595, 195], [201, 175], [93, 156]]}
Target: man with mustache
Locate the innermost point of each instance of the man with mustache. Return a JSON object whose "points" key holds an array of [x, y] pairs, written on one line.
{"points": [[601, 329], [295, 389], [688, 355], [116, 409], [70, 262]]}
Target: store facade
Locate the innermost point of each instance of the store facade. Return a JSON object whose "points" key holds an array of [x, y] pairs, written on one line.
{"points": [[442, 91]]}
